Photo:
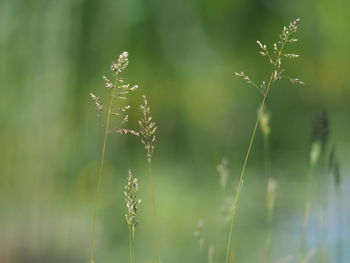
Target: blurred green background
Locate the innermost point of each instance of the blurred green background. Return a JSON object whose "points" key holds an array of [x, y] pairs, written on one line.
{"points": [[182, 55]]}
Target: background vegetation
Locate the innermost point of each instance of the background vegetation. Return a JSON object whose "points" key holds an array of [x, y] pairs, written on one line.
{"points": [[182, 55]]}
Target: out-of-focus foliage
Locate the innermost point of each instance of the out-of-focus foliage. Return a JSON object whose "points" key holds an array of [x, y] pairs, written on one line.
{"points": [[182, 55]]}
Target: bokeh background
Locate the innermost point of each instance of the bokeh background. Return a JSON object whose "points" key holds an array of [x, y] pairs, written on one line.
{"points": [[182, 55]]}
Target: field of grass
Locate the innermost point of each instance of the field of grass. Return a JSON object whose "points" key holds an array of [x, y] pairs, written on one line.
{"points": [[174, 131]]}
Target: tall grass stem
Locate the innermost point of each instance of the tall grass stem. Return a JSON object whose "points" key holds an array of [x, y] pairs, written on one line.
{"points": [[155, 219], [99, 180], [242, 175]]}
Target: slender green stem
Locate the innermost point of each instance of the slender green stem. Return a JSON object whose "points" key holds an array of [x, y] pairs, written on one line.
{"points": [[241, 178], [156, 235], [99, 180], [133, 245], [130, 246]]}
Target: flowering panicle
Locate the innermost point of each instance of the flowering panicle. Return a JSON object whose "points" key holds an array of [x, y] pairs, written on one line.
{"points": [[148, 128], [275, 58], [132, 203], [98, 104], [121, 64], [120, 91]]}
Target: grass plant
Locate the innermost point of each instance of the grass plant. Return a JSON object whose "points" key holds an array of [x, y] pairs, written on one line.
{"points": [[118, 90], [278, 72]]}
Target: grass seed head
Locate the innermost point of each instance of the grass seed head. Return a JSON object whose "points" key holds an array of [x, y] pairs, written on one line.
{"points": [[132, 202], [148, 128], [98, 104], [120, 64]]}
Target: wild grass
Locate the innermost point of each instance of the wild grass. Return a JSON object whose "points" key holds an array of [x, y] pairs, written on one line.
{"points": [[132, 204], [276, 59], [118, 90], [147, 134], [212, 251]]}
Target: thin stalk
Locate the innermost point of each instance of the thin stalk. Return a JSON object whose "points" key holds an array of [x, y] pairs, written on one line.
{"points": [[133, 246], [130, 246], [155, 219], [98, 187], [241, 178]]}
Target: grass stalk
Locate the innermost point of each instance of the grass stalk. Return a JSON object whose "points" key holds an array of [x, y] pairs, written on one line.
{"points": [[132, 203], [241, 178], [147, 133], [130, 247], [155, 219], [99, 179], [276, 74]]}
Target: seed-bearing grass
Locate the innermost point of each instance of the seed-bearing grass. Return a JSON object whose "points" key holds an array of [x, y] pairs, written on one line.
{"points": [[118, 91], [276, 60], [132, 203], [147, 134]]}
